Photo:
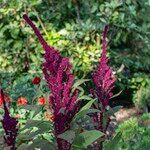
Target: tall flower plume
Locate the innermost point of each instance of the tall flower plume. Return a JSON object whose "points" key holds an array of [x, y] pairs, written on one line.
{"points": [[57, 71], [103, 78], [9, 125]]}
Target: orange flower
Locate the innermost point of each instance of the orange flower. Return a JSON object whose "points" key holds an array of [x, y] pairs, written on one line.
{"points": [[7, 100], [36, 80], [41, 100], [22, 101]]}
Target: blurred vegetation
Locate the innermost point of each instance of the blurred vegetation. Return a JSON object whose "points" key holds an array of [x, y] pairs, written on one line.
{"points": [[135, 133], [141, 90], [74, 27]]}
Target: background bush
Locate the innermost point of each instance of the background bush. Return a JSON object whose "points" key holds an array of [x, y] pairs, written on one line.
{"points": [[135, 133], [74, 27]]}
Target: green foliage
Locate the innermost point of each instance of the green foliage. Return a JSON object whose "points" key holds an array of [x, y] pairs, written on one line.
{"points": [[81, 140], [141, 88], [74, 27], [86, 138], [135, 133], [128, 127], [113, 143], [34, 129]]}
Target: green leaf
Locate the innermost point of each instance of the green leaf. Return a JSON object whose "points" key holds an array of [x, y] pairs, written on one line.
{"points": [[116, 95], [38, 124], [32, 134], [69, 136], [34, 128], [94, 8], [84, 110], [88, 105], [86, 138], [23, 147], [42, 144], [31, 124], [85, 97], [80, 89], [79, 82], [15, 32], [112, 144], [113, 110], [37, 109], [48, 136]]}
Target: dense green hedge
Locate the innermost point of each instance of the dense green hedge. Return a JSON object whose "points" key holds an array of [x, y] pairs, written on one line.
{"points": [[135, 133], [75, 27]]}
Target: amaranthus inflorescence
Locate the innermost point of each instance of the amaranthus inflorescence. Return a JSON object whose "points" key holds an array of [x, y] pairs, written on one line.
{"points": [[103, 80], [57, 71], [9, 125]]}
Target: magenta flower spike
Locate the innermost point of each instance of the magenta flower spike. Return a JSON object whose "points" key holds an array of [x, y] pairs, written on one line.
{"points": [[103, 78], [57, 72], [9, 125]]}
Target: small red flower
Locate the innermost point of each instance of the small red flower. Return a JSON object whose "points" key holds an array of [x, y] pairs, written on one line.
{"points": [[36, 80], [41, 100], [22, 101], [7, 100]]}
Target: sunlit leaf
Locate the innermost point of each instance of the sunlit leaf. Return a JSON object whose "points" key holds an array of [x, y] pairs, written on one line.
{"points": [[86, 138]]}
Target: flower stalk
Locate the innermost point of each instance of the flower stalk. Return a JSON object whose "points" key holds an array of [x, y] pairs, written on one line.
{"points": [[103, 80], [57, 72], [103, 77], [9, 125]]}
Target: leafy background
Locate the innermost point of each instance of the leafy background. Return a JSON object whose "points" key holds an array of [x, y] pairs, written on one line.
{"points": [[74, 27]]}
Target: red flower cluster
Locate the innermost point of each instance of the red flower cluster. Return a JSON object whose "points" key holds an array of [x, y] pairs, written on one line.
{"points": [[41, 100], [22, 101], [36, 80]]}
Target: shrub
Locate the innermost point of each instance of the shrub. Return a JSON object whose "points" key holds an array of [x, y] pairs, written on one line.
{"points": [[141, 87], [135, 133]]}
